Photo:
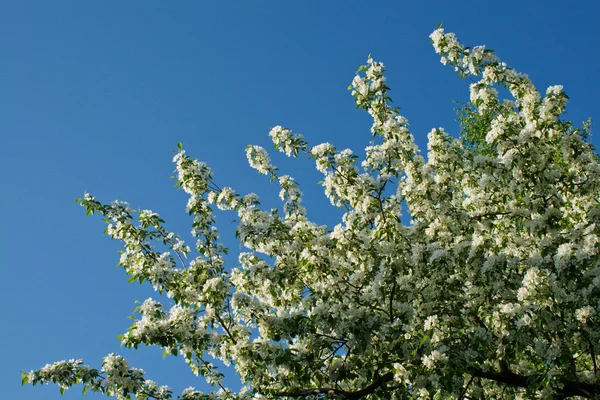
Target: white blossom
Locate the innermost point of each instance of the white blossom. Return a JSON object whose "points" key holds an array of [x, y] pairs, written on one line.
{"points": [[495, 276]]}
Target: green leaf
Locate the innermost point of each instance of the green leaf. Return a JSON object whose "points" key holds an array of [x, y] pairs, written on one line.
{"points": [[24, 378], [439, 25], [62, 391], [179, 146], [85, 389]]}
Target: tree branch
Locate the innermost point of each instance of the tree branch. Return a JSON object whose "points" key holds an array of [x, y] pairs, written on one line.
{"points": [[568, 389], [593, 354], [464, 392], [376, 384]]}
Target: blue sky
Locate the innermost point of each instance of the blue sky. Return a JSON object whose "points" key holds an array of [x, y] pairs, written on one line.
{"points": [[95, 95]]}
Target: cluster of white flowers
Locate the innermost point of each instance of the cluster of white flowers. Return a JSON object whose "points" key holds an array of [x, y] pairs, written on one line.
{"points": [[434, 358], [292, 195], [286, 141], [584, 314], [115, 378], [119, 376], [225, 199], [321, 153], [483, 97], [375, 80], [258, 158], [431, 322], [532, 281], [497, 276], [60, 372], [193, 175]]}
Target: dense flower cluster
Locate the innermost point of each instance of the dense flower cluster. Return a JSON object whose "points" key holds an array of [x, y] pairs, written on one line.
{"points": [[115, 378], [492, 290]]}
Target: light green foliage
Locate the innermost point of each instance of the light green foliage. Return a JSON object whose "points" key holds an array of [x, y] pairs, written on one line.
{"points": [[473, 128]]}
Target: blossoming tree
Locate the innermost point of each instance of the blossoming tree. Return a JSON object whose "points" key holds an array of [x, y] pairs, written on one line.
{"points": [[491, 291]]}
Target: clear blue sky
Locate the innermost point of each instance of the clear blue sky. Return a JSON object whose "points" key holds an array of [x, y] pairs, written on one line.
{"points": [[96, 94]]}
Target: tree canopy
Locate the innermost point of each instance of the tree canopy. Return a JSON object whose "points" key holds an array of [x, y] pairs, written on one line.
{"points": [[491, 290]]}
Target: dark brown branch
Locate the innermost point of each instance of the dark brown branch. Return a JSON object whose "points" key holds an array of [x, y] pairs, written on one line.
{"points": [[392, 295], [478, 321], [593, 354], [335, 339], [568, 389], [376, 384], [334, 351], [480, 217], [225, 328], [464, 392]]}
